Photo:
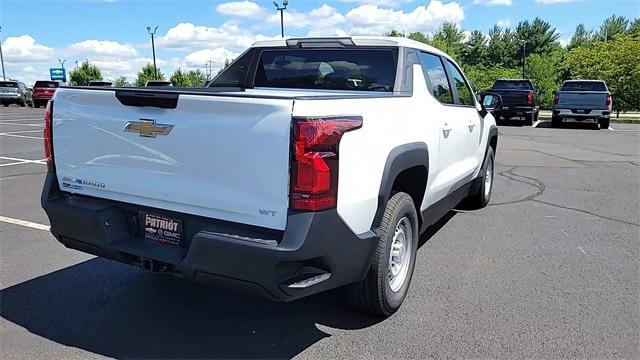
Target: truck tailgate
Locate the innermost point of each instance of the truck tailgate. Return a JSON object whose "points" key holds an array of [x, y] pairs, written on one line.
{"points": [[583, 99], [222, 157]]}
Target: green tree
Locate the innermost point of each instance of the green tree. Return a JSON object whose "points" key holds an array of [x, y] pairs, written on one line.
{"points": [[540, 38], [617, 62], [420, 37], [121, 82], [84, 73], [483, 77], [394, 33], [474, 51], [192, 78], [543, 70], [612, 27], [634, 28], [448, 39], [148, 73], [502, 47], [580, 37]]}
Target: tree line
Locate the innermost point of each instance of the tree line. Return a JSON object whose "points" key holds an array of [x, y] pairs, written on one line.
{"points": [[610, 53], [87, 72]]}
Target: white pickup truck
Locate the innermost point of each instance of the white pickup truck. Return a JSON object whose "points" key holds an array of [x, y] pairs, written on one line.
{"points": [[309, 164]]}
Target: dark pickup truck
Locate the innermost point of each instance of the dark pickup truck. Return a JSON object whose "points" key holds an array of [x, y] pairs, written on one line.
{"points": [[519, 100]]}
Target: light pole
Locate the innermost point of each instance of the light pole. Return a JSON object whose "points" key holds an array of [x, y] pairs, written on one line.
{"points": [[153, 48], [281, 9], [62, 62], [76, 65], [4, 78], [524, 55]]}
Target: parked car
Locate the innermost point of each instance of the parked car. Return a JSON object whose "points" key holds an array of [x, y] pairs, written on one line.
{"points": [[43, 91], [15, 92], [100, 83], [582, 100], [158, 83], [519, 100], [285, 177]]}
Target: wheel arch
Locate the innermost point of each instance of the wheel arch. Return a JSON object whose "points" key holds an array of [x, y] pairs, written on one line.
{"points": [[406, 169]]}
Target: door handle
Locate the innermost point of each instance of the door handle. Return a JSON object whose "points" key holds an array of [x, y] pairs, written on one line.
{"points": [[472, 126], [446, 130]]}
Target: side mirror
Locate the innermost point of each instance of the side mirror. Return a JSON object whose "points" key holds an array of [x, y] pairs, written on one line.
{"points": [[490, 101]]}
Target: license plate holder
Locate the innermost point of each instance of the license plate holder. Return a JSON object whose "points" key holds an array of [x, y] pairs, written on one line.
{"points": [[162, 229]]}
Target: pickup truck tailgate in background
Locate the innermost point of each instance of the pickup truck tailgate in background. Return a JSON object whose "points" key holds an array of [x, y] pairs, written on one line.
{"points": [[583, 99], [222, 157]]}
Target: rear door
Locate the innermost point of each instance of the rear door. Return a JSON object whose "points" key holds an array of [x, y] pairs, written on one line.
{"points": [[223, 157]]}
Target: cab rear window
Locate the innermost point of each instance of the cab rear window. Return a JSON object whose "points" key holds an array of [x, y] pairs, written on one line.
{"points": [[10, 84], [512, 85], [45, 84], [584, 86], [333, 69]]}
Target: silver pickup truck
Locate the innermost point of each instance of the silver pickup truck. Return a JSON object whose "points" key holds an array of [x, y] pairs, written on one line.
{"points": [[582, 100]]}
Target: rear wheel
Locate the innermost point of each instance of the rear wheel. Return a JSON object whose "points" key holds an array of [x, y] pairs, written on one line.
{"points": [[556, 121], [6, 105], [483, 185], [528, 119], [23, 103], [387, 282], [36, 104], [604, 123]]}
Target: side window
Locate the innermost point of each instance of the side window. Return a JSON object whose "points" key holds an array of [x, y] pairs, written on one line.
{"points": [[465, 95], [436, 77], [236, 73]]}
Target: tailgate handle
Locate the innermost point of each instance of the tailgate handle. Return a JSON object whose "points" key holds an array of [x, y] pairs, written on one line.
{"points": [[159, 100]]}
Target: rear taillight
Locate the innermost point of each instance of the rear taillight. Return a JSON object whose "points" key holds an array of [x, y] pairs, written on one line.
{"points": [[557, 99], [530, 97], [48, 137], [608, 99], [314, 164]]}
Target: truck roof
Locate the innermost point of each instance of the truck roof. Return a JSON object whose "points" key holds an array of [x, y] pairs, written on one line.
{"points": [[359, 41]]}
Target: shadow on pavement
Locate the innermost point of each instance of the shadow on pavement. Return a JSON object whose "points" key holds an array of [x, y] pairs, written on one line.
{"points": [[121, 311], [569, 125]]}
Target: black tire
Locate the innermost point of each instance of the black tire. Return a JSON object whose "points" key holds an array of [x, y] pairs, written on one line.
{"points": [[374, 294], [604, 123], [6, 105], [528, 120], [36, 104], [535, 117], [556, 121], [479, 196]]}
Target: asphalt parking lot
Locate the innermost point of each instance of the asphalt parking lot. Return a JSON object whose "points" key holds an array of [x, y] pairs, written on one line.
{"points": [[549, 269]]}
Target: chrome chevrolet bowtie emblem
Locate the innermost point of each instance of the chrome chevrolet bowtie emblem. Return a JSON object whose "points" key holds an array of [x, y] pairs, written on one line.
{"points": [[148, 128]]}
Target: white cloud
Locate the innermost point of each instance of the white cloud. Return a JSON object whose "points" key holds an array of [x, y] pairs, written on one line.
{"points": [[503, 22], [24, 49], [378, 2], [217, 57], [190, 37], [372, 20], [102, 49], [493, 2], [323, 20], [552, 2], [240, 9]]}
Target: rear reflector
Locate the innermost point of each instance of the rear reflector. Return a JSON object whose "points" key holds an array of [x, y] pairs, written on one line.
{"points": [[48, 137], [530, 97], [608, 99], [314, 163], [557, 99]]}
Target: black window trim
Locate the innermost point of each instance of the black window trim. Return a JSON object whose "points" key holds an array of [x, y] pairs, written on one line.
{"points": [[428, 80], [456, 97]]}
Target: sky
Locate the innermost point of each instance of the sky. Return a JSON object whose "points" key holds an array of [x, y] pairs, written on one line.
{"points": [[191, 33]]}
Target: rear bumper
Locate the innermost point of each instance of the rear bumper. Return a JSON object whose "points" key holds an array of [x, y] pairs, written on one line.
{"points": [[515, 111], [11, 98], [229, 254], [582, 114]]}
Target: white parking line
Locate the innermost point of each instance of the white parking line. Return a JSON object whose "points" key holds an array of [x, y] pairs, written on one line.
{"points": [[21, 136], [17, 124], [19, 120], [17, 161], [22, 131], [24, 223]]}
